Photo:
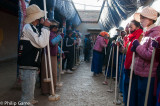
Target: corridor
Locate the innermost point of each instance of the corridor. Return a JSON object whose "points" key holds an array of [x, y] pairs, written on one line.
{"points": [[79, 89]]}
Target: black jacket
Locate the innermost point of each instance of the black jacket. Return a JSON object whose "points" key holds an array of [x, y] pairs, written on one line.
{"points": [[106, 59], [68, 44], [28, 55]]}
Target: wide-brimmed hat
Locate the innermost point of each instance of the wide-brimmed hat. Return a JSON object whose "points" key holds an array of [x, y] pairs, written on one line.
{"points": [[120, 29], [147, 12], [33, 12], [54, 22], [103, 33]]}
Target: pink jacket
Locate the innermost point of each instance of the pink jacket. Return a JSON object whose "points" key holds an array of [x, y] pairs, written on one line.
{"points": [[144, 54], [99, 44]]}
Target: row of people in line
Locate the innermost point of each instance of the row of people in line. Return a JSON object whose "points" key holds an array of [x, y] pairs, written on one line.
{"points": [[36, 35], [138, 39]]}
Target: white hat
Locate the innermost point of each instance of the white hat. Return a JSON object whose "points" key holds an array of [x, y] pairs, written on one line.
{"points": [[147, 12], [33, 12]]}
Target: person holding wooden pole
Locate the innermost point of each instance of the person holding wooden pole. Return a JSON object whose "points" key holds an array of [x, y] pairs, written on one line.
{"points": [[112, 62], [60, 84], [156, 44], [117, 101], [144, 51], [135, 33], [106, 71], [97, 59], [68, 48], [55, 38], [29, 51]]}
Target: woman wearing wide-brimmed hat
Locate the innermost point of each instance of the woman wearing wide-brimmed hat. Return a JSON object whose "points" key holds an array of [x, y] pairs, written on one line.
{"points": [[29, 51], [144, 51]]}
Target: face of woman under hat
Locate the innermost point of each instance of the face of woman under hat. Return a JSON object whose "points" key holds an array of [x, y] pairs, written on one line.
{"points": [[54, 28], [54, 25], [33, 12], [147, 16]]}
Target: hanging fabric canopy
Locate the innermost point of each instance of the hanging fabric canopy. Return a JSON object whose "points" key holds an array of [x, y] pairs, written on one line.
{"points": [[67, 9], [76, 20], [64, 7], [114, 11]]}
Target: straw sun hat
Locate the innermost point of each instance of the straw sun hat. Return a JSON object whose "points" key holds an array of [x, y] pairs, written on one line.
{"points": [[147, 12], [33, 12]]}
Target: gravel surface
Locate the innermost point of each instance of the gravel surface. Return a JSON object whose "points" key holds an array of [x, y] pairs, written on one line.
{"points": [[79, 89]]}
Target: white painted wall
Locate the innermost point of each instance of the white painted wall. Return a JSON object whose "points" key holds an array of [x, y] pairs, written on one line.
{"points": [[84, 26]]}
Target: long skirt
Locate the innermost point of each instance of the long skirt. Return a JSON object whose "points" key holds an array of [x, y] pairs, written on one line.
{"points": [[97, 62], [121, 63], [158, 95], [142, 85], [114, 65], [134, 89], [46, 86]]}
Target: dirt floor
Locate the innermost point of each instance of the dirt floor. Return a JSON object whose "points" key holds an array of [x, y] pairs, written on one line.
{"points": [[79, 89]]}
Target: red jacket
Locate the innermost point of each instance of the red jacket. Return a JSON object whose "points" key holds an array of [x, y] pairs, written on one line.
{"points": [[125, 40], [135, 35]]}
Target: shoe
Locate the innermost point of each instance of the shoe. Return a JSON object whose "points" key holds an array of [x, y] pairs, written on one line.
{"points": [[69, 72], [45, 94], [96, 75], [34, 102], [62, 72], [114, 78], [100, 72], [121, 95], [74, 68], [105, 83]]}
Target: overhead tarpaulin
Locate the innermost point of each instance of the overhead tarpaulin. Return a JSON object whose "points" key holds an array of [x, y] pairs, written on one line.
{"points": [[76, 20], [61, 9], [50, 6], [114, 11], [66, 8]]}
